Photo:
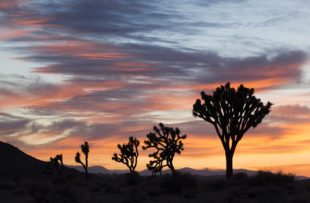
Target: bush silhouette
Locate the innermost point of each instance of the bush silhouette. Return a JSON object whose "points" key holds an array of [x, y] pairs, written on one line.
{"points": [[167, 142], [85, 150], [128, 154], [176, 184], [232, 112], [263, 178]]}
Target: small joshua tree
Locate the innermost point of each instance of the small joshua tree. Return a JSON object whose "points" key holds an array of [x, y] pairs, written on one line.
{"points": [[85, 150], [232, 113], [128, 154], [166, 142], [55, 165]]}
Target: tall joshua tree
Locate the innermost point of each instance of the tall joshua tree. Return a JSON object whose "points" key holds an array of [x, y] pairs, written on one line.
{"points": [[85, 150], [128, 154], [167, 142], [232, 113]]}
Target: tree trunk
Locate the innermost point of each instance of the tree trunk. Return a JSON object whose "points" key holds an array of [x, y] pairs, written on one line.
{"points": [[170, 165], [131, 170], [86, 166], [86, 173], [229, 164]]}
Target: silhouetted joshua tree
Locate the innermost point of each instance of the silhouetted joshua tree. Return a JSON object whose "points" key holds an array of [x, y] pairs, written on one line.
{"points": [[232, 112], [85, 150], [55, 165], [166, 142], [128, 154]]}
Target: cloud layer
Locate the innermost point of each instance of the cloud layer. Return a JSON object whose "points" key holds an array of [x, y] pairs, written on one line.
{"points": [[106, 70]]}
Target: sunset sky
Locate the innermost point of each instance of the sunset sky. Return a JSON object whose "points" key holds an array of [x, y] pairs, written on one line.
{"points": [[101, 71]]}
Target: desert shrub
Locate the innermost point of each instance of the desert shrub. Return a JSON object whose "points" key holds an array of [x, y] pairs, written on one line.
{"points": [[112, 188], [39, 193], [132, 179], [18, 192], [176, 184], [57, 180], [216, 184], [237, 180], [170, 184], [66, 191], [265, 177], [188, 180], [95, 188], [290, 188], [153, 192], [251, 195], [300, 200], [188, 194], [6, 185], [240, 176], [136, 195]]}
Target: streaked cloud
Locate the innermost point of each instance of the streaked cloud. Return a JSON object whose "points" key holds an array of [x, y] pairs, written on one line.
{"points": [[105, 70]]}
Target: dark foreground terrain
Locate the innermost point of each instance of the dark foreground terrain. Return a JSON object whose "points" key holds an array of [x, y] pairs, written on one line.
{"points": [[264, 187]]}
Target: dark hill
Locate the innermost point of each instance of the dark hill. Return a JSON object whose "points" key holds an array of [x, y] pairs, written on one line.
{"points": [[15, 163]]}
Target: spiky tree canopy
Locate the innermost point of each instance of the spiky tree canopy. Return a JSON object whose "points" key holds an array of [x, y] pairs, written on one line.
{"points": [[128, 154], [85, 148], [166, 142], [232, 112], [78, 158]]}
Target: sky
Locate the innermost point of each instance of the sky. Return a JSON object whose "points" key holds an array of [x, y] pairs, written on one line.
{"points": [[101, 71]]}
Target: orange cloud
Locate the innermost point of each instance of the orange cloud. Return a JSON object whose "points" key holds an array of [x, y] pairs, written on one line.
{"points": [[95, 56], [9, 34], [258, 85], [10, 4], [30, 22], [50, 94]]}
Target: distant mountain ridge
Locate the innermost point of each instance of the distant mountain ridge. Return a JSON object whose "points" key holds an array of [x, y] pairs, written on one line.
{"points": [[99, 170], [201, 172], [198, 172]]}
